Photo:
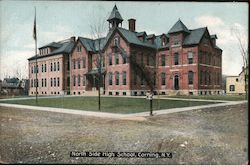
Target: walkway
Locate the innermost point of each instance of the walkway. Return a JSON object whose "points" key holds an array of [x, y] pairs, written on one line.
{"points": [[134, 116]]}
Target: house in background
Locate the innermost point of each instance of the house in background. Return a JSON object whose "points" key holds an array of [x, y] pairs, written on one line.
{"points": [[236, 84], [185, 61], [14, 86]]}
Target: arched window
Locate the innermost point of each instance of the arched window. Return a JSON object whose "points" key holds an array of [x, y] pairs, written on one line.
{"points": [[117, 78], [190, 77]]}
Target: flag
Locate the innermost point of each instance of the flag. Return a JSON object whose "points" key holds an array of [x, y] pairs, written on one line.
{"points": [[34, 29]]}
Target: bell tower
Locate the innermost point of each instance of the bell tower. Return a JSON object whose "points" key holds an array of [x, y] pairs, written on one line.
{"points": [[115, 18]]}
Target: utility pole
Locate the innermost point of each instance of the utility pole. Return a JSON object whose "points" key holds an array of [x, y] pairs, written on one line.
{"points": [[35, 38]]}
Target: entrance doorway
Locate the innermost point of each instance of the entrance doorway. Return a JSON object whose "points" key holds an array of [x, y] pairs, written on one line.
{"points": [[176, 82]]}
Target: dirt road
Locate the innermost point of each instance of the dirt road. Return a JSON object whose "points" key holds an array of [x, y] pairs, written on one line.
{"points": [[217, 136]]}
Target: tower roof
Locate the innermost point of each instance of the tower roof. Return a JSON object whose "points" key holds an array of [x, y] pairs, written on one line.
{"points": [[178, 27], [115, 14]]}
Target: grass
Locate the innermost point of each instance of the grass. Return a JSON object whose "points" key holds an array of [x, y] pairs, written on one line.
{"points": [[108, 104], [213, 97]]}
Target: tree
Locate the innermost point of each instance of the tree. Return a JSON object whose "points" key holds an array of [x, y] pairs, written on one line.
{"points": [[98, 29], [242, 42]]}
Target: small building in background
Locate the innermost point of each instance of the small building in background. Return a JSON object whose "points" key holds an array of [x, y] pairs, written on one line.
{"points": [[14, 86], [236, 84]]}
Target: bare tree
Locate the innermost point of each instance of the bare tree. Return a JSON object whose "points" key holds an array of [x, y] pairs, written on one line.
{"points": [[240, 36], [98, 29]]}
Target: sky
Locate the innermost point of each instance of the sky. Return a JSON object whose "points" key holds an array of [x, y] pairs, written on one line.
{"points": [[59, 20]]}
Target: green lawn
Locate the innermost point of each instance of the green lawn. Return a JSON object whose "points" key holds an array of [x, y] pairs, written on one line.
{"points": [[213, 97], [108, 104]]}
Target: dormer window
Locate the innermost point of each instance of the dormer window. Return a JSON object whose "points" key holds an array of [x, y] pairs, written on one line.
{"points": [[164, 42]]}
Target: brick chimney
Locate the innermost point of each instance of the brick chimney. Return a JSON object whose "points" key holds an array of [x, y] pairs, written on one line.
{"points": [[131, 24]]}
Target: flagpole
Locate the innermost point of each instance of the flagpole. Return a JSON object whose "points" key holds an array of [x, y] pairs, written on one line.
{"points": [[36, 53]]}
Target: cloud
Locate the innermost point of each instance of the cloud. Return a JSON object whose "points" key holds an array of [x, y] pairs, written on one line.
{"points": [[210, 21], [231, 57]]}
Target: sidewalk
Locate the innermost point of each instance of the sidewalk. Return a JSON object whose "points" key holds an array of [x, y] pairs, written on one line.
{"points": [[119, 116]]}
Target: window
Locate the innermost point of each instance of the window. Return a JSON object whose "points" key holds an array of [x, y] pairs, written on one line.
{"points": [[51, 67], [163, 41], [68, 65], [110, 59], [79, 48], [135, 78], [58, 66], [37, 83], [51, 82], [116, 41], [110, 78], [142, 79], [237, 79], [54, 66], [141, 59], [124, 78], [103, 61], [45, 68], [42, 67], [190, 57], [163, 78], [74, 80], [148, 59], [68, 81], [201, 77], [190, 77], [32, 71], [37, 69], [45, 82], [31, 83], [116, 78], [74, 64], [79, 80], [83, 80], [116, 58], [124, 59], [163, 60], [58, 81], [42, 82], [84, 62], [79, 64], [232, 88], [209, 78], [54, 82], [176, 59]]}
